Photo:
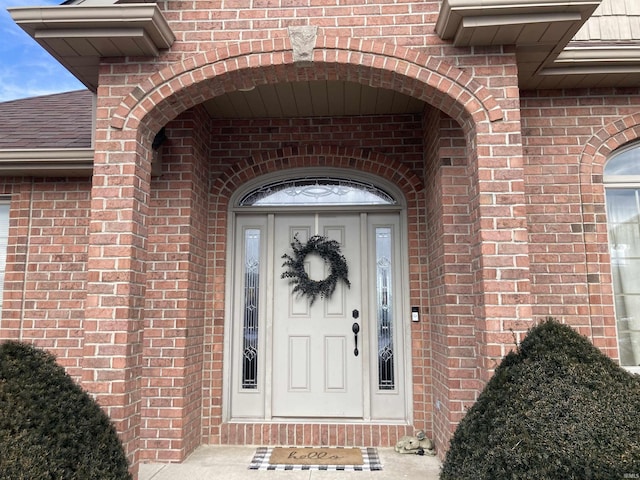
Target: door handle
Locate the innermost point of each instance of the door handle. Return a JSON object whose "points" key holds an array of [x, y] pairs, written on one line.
{"points": [[355, 328]]}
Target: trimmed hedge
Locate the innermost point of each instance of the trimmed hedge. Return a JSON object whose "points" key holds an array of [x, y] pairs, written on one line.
{"points": [[49, 427], [557, 408]]}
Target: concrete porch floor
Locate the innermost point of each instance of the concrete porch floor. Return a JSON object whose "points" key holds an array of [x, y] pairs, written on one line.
{"points": [[232, 462]]}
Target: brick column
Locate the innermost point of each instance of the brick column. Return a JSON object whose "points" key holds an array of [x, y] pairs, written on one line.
{"points": [[479, 277], [175, 300], [500, 249], [116, 281]]}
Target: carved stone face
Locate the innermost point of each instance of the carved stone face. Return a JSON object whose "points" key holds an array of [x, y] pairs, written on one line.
{"points": [[303, 39]]}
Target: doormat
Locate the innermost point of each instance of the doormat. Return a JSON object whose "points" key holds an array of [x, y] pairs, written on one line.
{"points": [[316, 458]]}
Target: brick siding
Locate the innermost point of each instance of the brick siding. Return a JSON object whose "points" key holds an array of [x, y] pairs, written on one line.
{"points": [[124, 277], [570, 272]]}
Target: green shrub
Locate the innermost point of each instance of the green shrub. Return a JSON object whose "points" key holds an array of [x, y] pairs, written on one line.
{"points": [[49, 427], [557, 408]]}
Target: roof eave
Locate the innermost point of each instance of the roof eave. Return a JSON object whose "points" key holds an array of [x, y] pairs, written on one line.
{"points": [[459, 20], [47, 162], [599, 53], [79, 35], [593, 64], [540, 29]]}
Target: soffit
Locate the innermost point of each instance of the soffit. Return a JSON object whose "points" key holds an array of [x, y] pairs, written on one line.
{"points": [[559, 43], [79, 35], [311, 99], [512, 22]]}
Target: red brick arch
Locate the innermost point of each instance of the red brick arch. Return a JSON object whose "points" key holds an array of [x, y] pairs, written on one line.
{"points": [[605, 141], [315, 156], [178, 87], [594, 156]]}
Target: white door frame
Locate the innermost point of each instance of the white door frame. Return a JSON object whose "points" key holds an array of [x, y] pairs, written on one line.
{"points": [[264, 395]]}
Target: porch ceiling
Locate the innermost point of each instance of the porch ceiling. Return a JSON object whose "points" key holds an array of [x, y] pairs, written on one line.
{"points": [[311, 99]]}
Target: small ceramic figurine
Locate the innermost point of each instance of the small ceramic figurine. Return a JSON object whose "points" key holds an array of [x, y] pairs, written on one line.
{"points": [[418, 445]]}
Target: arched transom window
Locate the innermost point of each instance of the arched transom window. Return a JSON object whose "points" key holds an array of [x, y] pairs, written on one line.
{"points": [[317, 190], [622, 182]]}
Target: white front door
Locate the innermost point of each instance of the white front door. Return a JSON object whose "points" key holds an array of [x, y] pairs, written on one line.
{"points": [[316, 371], [294, 360]]}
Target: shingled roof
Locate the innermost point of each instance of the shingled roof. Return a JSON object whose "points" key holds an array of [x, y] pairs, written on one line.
{"points": [[58, 121]]}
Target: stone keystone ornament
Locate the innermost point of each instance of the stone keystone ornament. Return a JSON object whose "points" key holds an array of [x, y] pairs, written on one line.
{"points": [[303, 39]]}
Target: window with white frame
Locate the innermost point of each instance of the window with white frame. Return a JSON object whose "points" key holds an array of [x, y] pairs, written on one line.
{"points": [[622, 186]]}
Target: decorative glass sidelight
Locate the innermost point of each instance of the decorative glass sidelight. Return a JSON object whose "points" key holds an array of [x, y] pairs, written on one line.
{"points": [[251, 303], [384, 300]]}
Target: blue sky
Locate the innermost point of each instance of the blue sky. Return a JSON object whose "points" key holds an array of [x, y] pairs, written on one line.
{"points": [[27, 69]]}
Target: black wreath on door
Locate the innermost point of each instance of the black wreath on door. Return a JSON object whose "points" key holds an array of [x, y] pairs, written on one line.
{"points": [[329, 251]]}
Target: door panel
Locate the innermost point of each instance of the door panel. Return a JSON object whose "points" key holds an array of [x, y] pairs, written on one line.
{"points": [[324, 363], [335, 373], [299, 364]]}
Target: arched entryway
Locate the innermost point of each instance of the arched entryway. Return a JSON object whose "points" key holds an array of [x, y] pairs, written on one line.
{"points": [[379, 405], [208, 173]]}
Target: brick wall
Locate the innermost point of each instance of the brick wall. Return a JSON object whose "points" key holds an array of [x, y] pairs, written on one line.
{"points": [[181, 389], [202, 26], [45, 283], [451, 313], [176, 294], [505, 211], [395, 136], [570, 272]]}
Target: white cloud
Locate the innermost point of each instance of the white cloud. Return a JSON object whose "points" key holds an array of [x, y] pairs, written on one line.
{"points": [[26, 69]]}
